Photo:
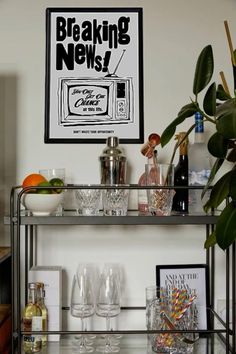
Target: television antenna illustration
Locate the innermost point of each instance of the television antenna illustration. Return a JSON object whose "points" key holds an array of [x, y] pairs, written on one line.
{"points": [[117, 65]]}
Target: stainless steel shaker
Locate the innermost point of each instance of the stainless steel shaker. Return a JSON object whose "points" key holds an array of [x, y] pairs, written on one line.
{"points": [[113, 163]]}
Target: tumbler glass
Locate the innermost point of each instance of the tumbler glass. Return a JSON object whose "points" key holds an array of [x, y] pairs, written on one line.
{"points": [[88, 201], [160, 199], [115, 201]]}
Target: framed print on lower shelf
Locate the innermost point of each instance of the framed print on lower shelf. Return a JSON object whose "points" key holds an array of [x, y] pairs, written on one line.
{"points": [[94, 75], [193, 276]]}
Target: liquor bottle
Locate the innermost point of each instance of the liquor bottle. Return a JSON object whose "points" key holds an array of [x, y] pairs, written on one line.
{"points": [[32, 321], [142, 193], [199, 167], [41, 303], [180, 200], [148, 150]]}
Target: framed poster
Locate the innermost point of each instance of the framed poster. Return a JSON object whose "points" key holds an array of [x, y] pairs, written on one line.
{"points": [[193, 276], [94, 75]]}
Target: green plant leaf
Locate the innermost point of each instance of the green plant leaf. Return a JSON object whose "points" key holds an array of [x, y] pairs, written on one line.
{"points": [[204, 69], [185, 112], [226, 124], [225, 107], [217, 165], [210, 241], [221, 94], [226, 226], [232, 187], [209, 102], [219, 191], [217, 145], [168, 134]]}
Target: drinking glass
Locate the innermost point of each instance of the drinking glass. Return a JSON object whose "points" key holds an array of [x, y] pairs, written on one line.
{"points": [[115, 201], [160, 199], [108, 304], [53, 173], [88, 201], [82, 302], [117, 270], [172, 308]]}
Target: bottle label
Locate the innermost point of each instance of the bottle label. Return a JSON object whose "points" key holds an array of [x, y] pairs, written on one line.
{"points": [[200, 177], [199, 128], [27, 324], [37, 325]]}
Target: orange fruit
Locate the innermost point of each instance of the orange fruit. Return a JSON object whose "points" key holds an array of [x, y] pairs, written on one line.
{"points": [[33, 180]]}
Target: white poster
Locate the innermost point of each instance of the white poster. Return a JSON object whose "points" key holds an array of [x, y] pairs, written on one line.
{"points": [[94, 75], [194, 277]]}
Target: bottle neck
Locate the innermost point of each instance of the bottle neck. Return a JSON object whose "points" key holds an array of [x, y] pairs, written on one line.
{"points": [[183, 158], [199, 138], [152, 159], [41, 294], [32, 296], [183, 149]]}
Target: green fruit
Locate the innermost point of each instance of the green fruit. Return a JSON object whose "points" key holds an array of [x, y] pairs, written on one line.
{"points": [[56, 182], [46, 190]]}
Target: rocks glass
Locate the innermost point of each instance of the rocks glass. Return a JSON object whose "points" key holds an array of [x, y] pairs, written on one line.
{"points": [[88, 201], [171, 308], [115, 201], [160, 199]]}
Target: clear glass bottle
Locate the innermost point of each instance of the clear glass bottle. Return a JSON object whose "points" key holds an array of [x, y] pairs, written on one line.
{"points": [[180, 200], [32, 321], [199, 167], [142, 193], [41, 303]]}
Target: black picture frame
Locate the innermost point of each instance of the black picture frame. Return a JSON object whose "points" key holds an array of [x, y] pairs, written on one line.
{"points": [[94, 75], [196, 276]]}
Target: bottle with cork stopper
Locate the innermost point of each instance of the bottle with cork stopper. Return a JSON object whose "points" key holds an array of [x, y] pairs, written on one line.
{"points": [[149, 151]]}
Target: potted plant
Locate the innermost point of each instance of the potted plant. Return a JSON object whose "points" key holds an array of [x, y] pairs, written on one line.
{"points": [[219, 108]]}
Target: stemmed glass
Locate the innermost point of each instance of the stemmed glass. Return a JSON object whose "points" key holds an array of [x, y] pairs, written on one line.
{"points": [[108, 304], [82, 301], [117, 269]]}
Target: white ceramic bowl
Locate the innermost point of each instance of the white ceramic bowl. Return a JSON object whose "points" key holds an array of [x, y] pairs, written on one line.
{"points": [[41, 204]]}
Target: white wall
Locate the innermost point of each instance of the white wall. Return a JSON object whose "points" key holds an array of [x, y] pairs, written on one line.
{"points": [[174, 34]]}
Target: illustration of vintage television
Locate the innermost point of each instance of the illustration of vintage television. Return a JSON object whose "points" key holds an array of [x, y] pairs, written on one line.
{"points": [[91, 101]]}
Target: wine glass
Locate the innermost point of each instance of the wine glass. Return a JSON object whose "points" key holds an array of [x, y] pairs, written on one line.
{"points": [[108, 304], [92, 270], [82, 302], [116, 269]]}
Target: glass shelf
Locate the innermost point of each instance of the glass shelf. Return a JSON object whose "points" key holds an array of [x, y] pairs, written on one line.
{"points": [[134, 344], [133, 218]]}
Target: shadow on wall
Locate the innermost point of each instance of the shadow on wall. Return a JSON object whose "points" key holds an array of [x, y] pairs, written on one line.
{"points": [[8, 124]]}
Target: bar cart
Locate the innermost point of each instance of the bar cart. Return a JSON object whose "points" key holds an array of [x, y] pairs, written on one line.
{"points": [[24, 225]]}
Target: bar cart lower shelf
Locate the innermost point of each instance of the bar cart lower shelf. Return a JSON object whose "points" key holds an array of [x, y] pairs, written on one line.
{"points": [[134, 344]]}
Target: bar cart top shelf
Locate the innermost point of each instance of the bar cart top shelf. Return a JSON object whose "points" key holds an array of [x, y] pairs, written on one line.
{"points": [[133, 218]]}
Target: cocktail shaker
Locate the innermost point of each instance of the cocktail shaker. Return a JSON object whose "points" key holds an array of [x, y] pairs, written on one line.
{"points": [[113, 163]]}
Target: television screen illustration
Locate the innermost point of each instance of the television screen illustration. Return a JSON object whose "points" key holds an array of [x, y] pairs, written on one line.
{"points": [[95, 101]]}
